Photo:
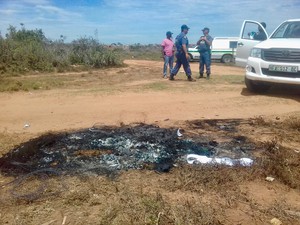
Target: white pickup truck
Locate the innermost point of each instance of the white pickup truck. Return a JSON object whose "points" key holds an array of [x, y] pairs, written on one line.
{"points": [[223, 49], [274, 60]]}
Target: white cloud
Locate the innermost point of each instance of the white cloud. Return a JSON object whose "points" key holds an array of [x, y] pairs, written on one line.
{"points": [[148, 20], [7, 12], [55, 10]]}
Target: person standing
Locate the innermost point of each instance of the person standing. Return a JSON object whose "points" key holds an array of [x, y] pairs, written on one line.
{"points": [[167, 53], [260, 35], [204, 48], [182, 43]]}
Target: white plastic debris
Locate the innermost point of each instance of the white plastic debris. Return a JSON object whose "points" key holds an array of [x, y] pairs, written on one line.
{"points": [[26, 125], [245, 161], [270, 179], [275, 221], [75, 137], [179, 134], [194, 159]]}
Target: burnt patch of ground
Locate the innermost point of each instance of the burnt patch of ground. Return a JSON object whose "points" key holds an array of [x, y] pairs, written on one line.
{"points": [[103, 149], [188, 194]]}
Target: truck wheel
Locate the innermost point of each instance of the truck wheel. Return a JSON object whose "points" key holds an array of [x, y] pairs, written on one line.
{"points": [[256, 87], [227, 58]]}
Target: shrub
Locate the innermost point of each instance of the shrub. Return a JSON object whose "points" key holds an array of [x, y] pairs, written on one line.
{"points": [[23, 51], [87, 51], [29, 50]]}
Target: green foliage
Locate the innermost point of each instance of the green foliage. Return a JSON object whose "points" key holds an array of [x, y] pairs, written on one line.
{"points": [[28, 83], [23, 51], [146, 52], [23, 34], [87, 51]]}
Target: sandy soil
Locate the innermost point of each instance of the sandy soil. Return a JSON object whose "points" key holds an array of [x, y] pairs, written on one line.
{"points": [[142, 95]]}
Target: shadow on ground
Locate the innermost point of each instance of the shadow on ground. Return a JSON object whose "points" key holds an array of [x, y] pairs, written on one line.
{"points": [[279, 91]]}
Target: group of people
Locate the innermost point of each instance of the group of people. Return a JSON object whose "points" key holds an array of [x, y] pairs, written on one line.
{"points": [[181, 45]]}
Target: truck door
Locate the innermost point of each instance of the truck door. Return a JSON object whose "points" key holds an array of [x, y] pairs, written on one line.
{"points": [[247, 41]]}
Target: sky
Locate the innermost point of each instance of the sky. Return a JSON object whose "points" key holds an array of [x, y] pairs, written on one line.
{"points": [[141, 21]]}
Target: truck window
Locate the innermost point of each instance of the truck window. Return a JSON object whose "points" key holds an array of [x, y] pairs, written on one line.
{"points": [[249, 30], [288, 30], [254, 31]]}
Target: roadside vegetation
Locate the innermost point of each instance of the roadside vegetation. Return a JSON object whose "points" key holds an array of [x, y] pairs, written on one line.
{"points": [[23, 51], [27, 52]]}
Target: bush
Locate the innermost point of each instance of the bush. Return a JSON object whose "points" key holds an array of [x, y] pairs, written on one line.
{"points": [[87, 51], [24, 50]]}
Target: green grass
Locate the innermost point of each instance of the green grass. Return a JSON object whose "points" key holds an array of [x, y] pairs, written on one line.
{"points": [[30, 83], [231, 79], [222, 79]]}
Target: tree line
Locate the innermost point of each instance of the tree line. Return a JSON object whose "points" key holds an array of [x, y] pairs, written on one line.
{"points": [[23, 51]]}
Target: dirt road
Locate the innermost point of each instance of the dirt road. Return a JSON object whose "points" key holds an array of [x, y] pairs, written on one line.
{"points": [[224, 96]]}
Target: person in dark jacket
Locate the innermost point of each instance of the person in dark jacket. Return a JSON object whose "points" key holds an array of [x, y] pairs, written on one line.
{"points": [[260, 35], [182, 43]]}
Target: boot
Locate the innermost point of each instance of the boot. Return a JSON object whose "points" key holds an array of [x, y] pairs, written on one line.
{"points": [[190, 78], [200, 76], [207, 76]]}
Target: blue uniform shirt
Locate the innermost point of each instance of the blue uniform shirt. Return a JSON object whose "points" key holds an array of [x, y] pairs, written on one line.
{"points": [[203, 46], [180, 40]]}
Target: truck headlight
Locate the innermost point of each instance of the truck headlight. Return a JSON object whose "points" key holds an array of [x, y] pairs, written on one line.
{"points": [[256, 53]]}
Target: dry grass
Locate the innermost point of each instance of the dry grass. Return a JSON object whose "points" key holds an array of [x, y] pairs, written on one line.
{"points": [[109, 81], [9, 140], [281, 163], [194, 195], [293, 122], [132, 204]]}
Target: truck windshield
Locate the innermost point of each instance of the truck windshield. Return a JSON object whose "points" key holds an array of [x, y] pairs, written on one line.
{"points": [[288, 30]]}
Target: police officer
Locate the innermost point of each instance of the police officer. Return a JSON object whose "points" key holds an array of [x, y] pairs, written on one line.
{"points": [[182, 43], [204, 45]]}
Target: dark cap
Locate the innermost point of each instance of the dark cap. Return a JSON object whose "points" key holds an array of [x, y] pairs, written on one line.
{"points": [[205, 28], [169, 33], [263, 24], [184, 27]]}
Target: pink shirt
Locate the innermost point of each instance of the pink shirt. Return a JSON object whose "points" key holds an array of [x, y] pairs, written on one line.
{"points": [[168, 44]]}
